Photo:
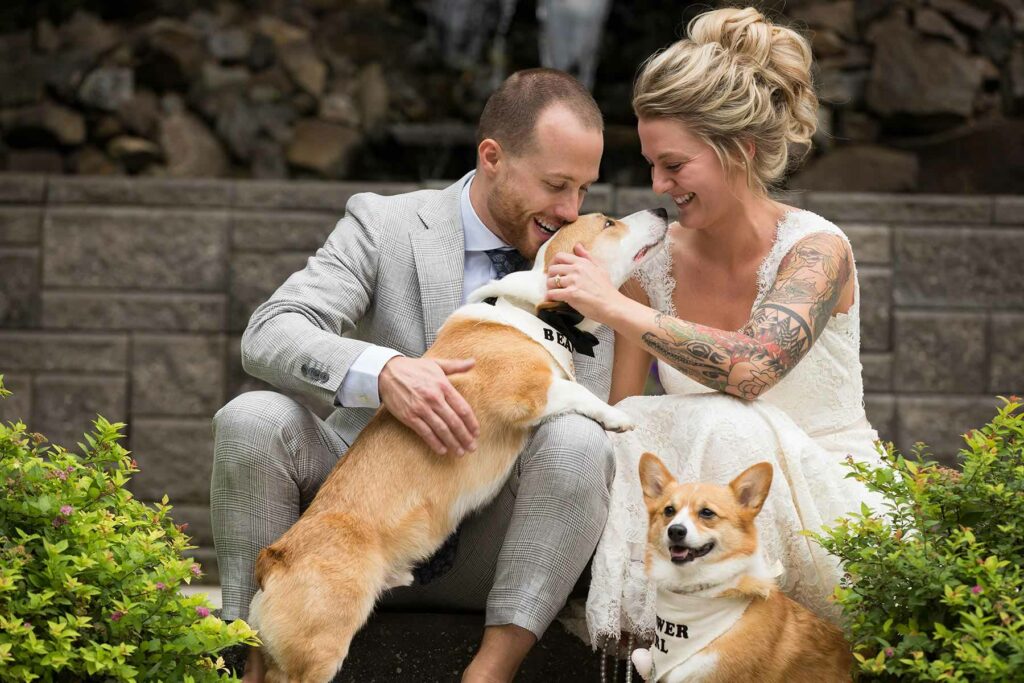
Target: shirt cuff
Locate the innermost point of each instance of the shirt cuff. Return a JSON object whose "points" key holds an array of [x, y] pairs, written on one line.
{"points": [[359, 388]]}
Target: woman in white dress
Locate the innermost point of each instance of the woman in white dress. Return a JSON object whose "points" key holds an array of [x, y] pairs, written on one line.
{"points": [[751, 310]]}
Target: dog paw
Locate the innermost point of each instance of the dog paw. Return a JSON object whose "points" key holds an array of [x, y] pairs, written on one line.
{"points": [[617, 421]]}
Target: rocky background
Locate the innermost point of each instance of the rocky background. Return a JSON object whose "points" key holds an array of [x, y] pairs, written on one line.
{"points": [[923, 96]]}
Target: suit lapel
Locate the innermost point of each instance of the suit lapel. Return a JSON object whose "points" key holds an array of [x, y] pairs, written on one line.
{"points": [[439, 247]]}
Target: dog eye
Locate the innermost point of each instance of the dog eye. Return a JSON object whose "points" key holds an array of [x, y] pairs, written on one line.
{"points": [[670, 511], [609, 223], [707, 513]]}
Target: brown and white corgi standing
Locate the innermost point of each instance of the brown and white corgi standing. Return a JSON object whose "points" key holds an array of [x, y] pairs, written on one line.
{"points": [[720, 615], [391, 501]]}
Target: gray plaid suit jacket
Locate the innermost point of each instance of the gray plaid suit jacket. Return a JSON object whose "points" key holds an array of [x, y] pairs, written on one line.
{"points": [[389, 274]]}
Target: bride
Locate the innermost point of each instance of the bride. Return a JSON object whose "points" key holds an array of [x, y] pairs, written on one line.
{"points": [[751, 310]]}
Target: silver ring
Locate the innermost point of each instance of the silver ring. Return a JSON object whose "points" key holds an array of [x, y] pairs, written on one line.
{"points": [[558, 282]]}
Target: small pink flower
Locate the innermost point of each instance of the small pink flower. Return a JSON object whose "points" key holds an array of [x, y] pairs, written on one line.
{"points": [[116, 615], [66, 510], [195, 570], [976, 590], [26, 624], [160, 585], [135, 464], [59, 521], [69, 469], [202, 611], [61, 474], [889, 652]]}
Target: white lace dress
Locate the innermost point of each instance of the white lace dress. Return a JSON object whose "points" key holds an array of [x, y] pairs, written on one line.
{"points": [[806, 426]]}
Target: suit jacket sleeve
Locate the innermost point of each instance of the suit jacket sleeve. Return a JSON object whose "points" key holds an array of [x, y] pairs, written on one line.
{"points": [[294, 340]]}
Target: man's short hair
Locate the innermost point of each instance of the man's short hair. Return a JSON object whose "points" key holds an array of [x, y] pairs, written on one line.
{"points": [[511, 112]]}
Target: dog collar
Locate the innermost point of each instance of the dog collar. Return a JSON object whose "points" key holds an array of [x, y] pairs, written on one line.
{"points": [[554, 342]]}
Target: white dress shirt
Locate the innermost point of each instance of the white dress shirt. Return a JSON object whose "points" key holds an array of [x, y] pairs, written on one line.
{"points": [[359, 387]]}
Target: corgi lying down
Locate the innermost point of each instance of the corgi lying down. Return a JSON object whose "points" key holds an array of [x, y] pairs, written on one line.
{"points": [[320, 580], [720, 615]]}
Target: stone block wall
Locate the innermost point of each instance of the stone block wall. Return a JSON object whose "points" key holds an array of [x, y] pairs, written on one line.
{"points": [[127, 298]]}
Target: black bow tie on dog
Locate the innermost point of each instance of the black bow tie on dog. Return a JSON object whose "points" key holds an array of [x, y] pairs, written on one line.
{"points": [[564, 319]]}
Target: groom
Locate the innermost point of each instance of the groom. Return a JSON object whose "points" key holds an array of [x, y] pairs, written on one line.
{"points": [[349, 330]]}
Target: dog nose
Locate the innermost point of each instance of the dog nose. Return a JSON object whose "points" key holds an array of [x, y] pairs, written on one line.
{"points": [[676, 532], [660, 213]]}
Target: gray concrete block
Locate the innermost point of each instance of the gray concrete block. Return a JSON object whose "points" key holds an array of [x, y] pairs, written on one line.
{"points": [[135, 248], [875, 308], [64, 406], [20, 225], [872, 243], [274, 231], [632, 199], [940, 352], [1006, 371], [881, 411], [940, 422], [170, 192], [309, 195], [958, 266], [600, 199], [200, 529], [905, 208], [22, 188], [254, 277], [19, 287], [134, 311], [177, 374], [57, 352], [877, 371], [17, 406], [1009, 210], [175, 457]]}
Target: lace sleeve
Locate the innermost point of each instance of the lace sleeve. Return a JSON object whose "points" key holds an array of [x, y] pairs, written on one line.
{"points": [[655, 276]]}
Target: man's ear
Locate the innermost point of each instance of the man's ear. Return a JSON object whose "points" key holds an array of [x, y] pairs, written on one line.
{"points": [[489, 155]]}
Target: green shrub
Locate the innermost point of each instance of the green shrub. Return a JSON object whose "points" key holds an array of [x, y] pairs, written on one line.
{"points": [[89, 577], [933, 590]]}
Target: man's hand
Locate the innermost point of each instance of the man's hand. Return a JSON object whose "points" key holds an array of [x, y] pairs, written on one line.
{"points": [[418, 392]]}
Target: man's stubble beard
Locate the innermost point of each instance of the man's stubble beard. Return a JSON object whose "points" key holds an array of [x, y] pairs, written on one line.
{"points": [[511, 220]]}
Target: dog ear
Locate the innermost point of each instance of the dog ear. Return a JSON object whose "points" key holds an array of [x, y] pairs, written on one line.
{"points": [[654, 476], [751, 487]]}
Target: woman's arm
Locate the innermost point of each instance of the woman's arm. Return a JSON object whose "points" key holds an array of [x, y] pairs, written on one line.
{"points": [[810, 281], [632, 362]]}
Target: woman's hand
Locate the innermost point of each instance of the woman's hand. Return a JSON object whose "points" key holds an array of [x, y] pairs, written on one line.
{"points": [[581, 283]]}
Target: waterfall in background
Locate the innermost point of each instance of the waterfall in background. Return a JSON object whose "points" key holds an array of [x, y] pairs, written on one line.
{"points": [[569, 38], [570, 35]]}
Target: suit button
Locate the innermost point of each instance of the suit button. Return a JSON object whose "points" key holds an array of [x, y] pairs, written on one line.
{"points": [[305, 369]]}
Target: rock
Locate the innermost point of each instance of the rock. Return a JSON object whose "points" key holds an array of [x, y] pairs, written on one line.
{"points": [[92, 161], [338, 107], [931, 23], [262, 54], [837, 16], [281, 32], [997, 42], [106, 126], [238, 127], [1013, 82], [268, 160], [963, 13], [141, 113], [133, 152], [65, 72], [856, 126], [917, 76], [47, 39], [826, 43], [373, 96], [322, 147], [47, 123], [24, 81], [34, 161], [841, 88], [302, 64], [230, 44], [823, 137], [88, 33], [190, 148], [216, 77], [270, 85], [107, 88], [170, 56], [860, 168]]}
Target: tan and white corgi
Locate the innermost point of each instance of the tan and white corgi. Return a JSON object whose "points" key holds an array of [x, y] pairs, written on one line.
{"points": [[720, 615], [391, 501]]}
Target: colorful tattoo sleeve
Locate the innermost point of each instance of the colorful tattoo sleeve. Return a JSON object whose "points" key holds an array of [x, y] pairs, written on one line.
{"points": [[780, 331]]}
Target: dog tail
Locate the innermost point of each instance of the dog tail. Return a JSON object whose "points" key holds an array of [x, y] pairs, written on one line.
{"points": [[269, 558]]}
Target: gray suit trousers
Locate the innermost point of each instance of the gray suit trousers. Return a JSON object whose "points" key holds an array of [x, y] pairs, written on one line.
{"points": [[518, 557]]}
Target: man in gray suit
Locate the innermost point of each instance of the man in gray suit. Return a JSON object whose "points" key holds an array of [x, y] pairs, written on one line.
{"points": [[349, 330]]}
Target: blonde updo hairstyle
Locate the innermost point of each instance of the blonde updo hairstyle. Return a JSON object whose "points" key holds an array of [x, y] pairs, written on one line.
{"points": [[736, 78]]}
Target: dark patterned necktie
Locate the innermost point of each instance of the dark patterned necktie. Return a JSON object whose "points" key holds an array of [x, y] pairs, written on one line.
{"points": [[507, 261]]}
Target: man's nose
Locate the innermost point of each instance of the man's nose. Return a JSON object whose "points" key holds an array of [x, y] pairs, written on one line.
{"points": [[568, 211]]}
